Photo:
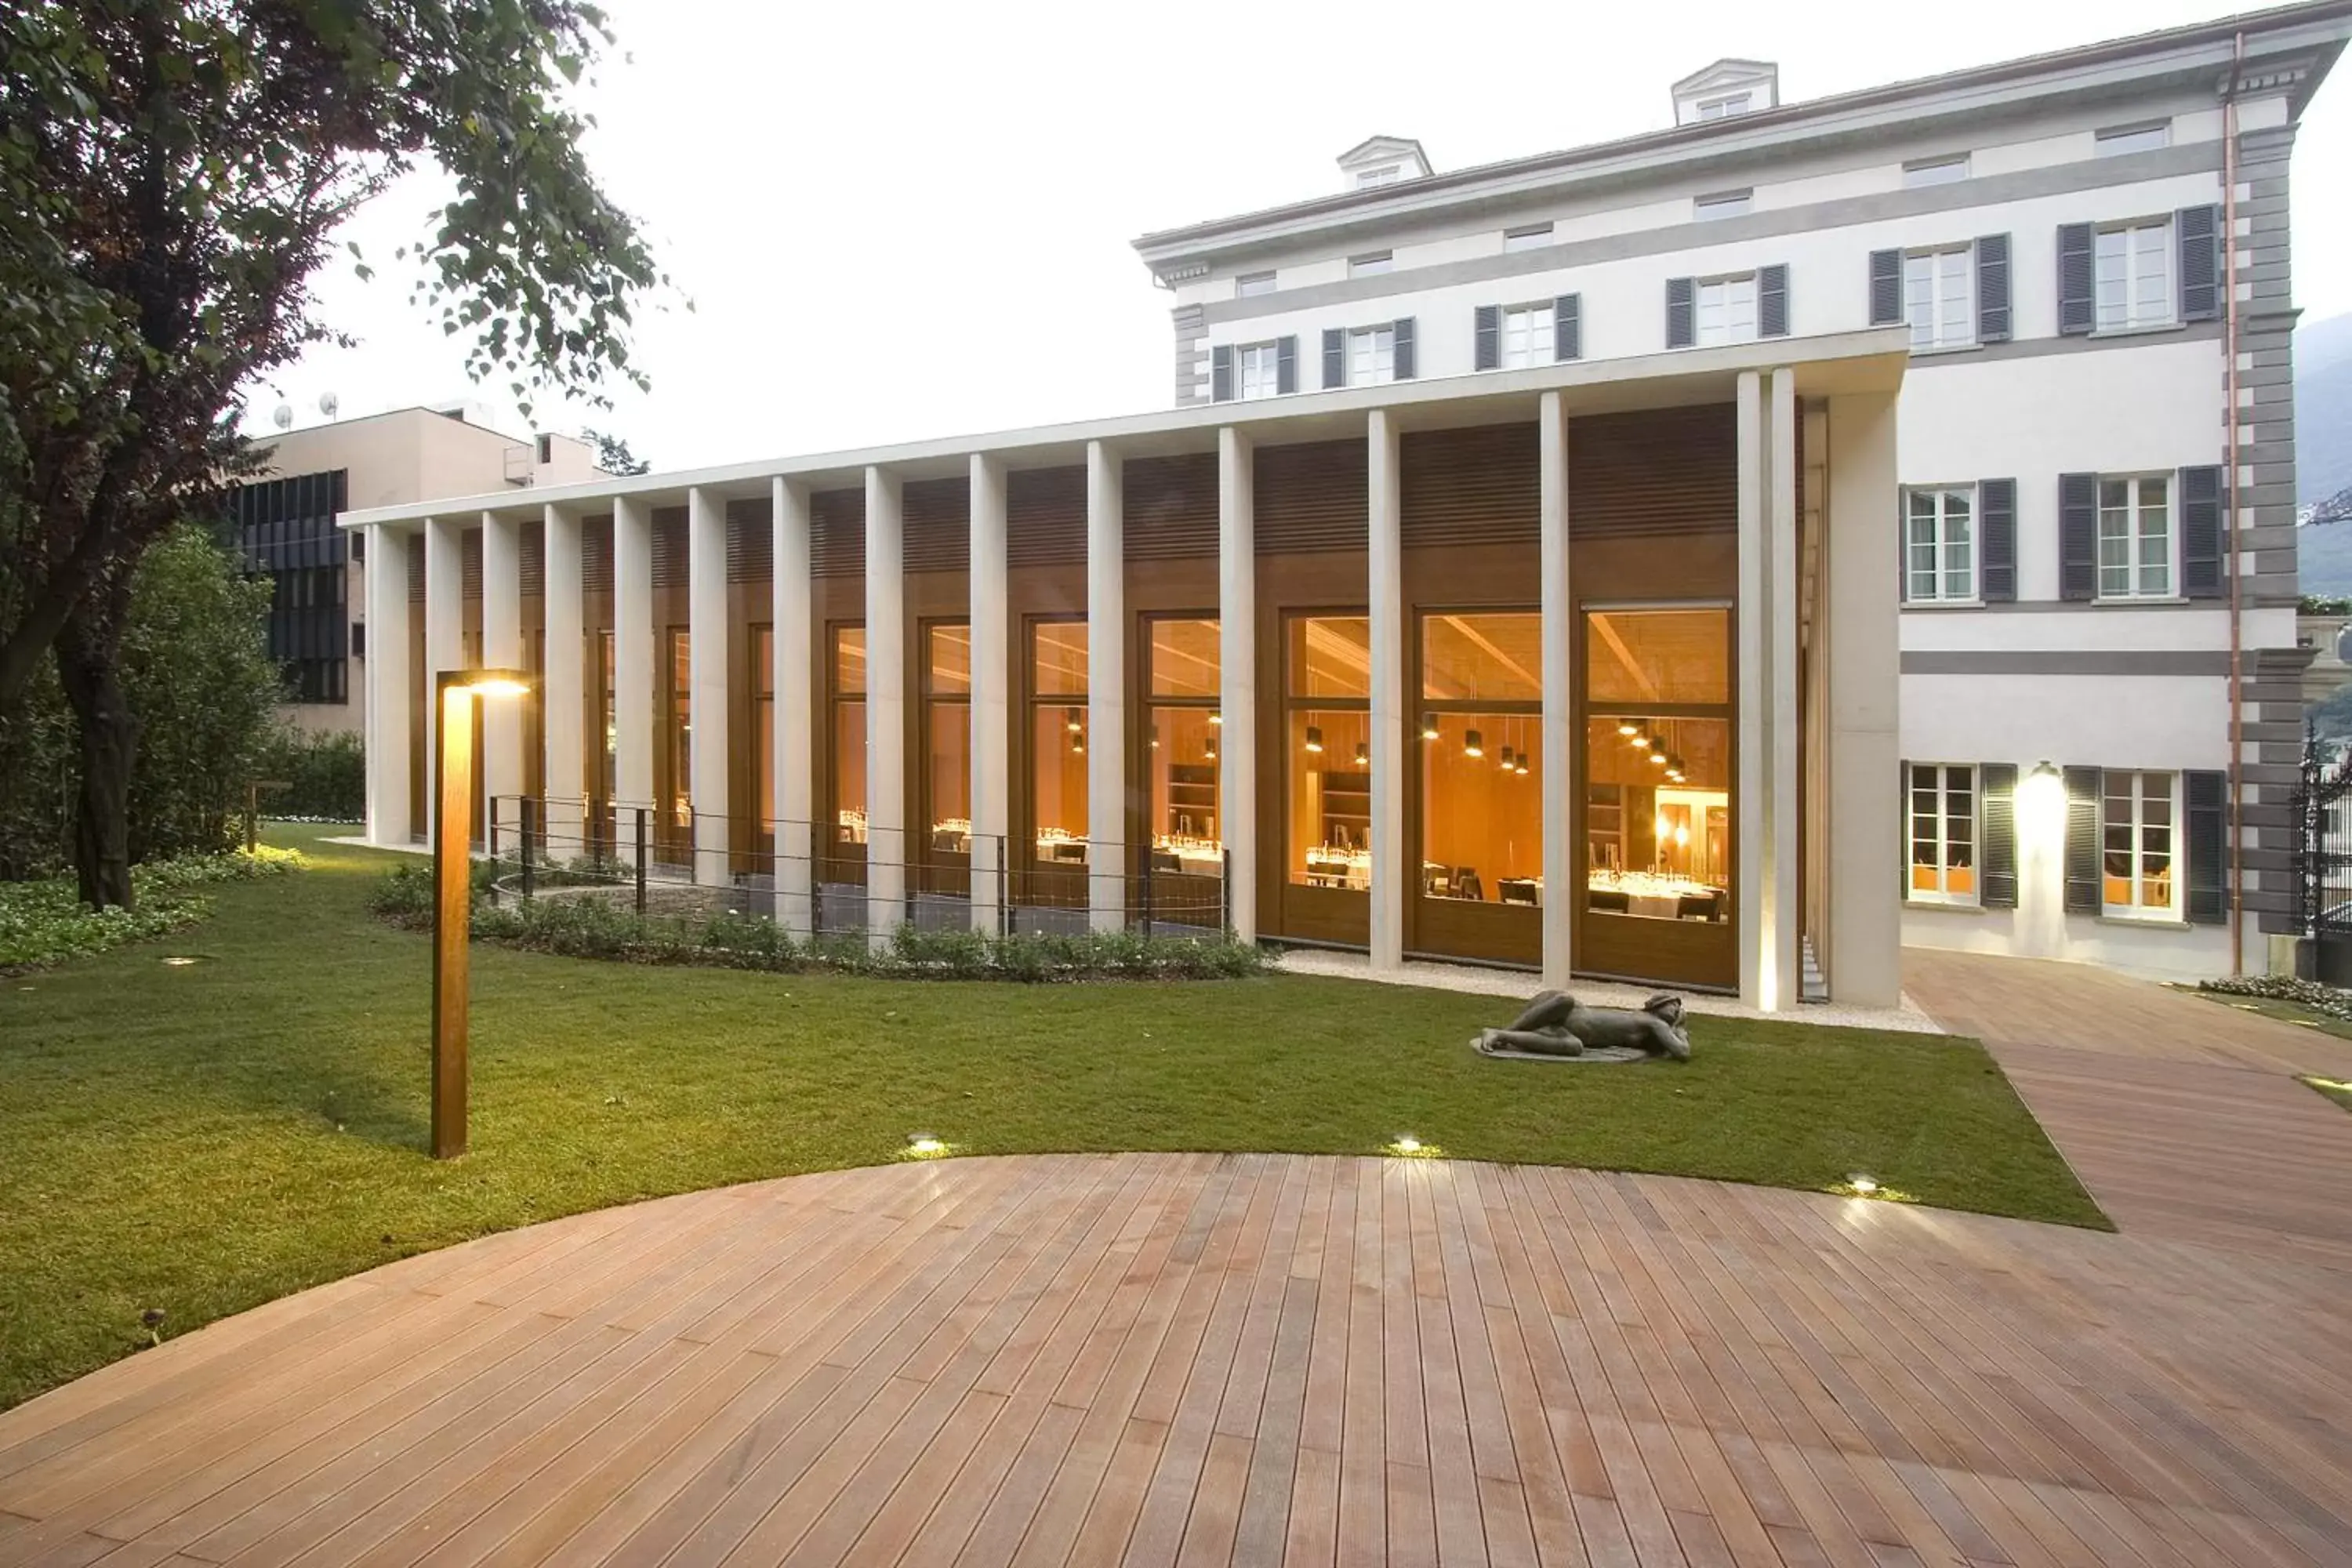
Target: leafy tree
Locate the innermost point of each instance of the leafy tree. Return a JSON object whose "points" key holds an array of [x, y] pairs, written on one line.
{"points": [[198, 679], [171, 173], [612, 453]]}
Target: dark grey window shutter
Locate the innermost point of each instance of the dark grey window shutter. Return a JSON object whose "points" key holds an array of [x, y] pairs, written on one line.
{"points": [[2206, 803], [2198, 230], [2203, 547], [2078, 536], [1903, 545], [2077, 297], [1488, 338], [1997, 854], [1401, 362], [1335, 357], [1992, 288], [1886, 287], [1681, 312], [1285, 364], [1221, 373], [1997, 541], [1568, 327], [2083, 858], [1772, 301]]}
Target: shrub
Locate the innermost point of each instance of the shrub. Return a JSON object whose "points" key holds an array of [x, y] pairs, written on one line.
{"points": [[44, 922], [325, 776], [604, 928]]}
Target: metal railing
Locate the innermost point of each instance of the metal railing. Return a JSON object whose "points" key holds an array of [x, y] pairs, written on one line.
{"points": [[818, 879]]}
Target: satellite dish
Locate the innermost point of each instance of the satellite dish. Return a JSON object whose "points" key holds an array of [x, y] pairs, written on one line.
{"points": [[327, 404], [283, 417]]}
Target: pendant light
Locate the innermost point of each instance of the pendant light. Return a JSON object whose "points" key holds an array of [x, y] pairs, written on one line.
{"points": [[1076, 718], [1628, 728], [1657, 758], [1363, 753], [1473, 745], [1217, 718], [1429, 726], [1314, 737], [1209, 749], [1507, 759], [1522, 769], [1641, 743], [1155, 737]]}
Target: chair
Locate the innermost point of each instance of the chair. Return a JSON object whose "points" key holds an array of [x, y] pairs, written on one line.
{"points": [[1609, 901], [1468, 886], [1517, 891]]}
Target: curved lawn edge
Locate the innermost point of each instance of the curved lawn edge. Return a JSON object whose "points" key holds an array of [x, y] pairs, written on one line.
{"points": [[204, 1139]]}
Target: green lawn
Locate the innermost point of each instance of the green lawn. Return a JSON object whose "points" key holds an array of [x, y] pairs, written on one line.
{"points": [[205, 1137]]}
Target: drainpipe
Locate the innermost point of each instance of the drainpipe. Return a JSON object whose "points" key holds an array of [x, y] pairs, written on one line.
{"points": [[2230, 494]]}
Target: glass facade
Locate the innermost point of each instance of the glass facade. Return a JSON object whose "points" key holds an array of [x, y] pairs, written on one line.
{"points": [[947, 738], [1658, 764], [1481, 731], [763, 688], [1057, 740], [1183, 666], [1327, 731], [846, 677]]}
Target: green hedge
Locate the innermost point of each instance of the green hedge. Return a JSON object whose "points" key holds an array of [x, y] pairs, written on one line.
{"points": [[603, 928], [325, 776]]}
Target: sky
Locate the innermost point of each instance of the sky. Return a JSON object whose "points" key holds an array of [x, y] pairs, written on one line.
{"points": [[896, 222]]}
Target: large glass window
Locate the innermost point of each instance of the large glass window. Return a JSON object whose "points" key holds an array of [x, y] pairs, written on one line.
{"points": [[678, 738], [849, 682], [1057, 740], [1939, 544], [763, 687], [2135, 539], [1180, 753], [1940, 298], [1481, 771], [1328, 734], [1657, 794], [1943, 808], [947, 729], [2135, 820], [2135, 276]]}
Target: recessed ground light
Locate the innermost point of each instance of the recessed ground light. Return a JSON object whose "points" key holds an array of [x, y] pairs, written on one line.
{"points": [[924, 1146], [1863, 1186], [1407, 1146], [177, 962]]}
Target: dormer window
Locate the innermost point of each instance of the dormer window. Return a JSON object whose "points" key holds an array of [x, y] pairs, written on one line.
{"points": [[1382, 161], [1726, 89], [1386, 174]]}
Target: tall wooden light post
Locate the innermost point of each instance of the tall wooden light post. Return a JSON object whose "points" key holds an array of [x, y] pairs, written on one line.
{"points": [[454, 692]]}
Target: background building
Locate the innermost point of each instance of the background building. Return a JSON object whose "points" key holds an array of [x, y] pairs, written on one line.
{"points": [[284, 524], [2052, 234]]}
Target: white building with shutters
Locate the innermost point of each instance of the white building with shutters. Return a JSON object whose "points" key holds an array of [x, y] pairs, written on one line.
{"points": [[2099, 711]]}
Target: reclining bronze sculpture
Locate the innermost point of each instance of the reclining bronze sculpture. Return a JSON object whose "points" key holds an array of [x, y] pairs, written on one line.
{"points": [[1557, 1025]]}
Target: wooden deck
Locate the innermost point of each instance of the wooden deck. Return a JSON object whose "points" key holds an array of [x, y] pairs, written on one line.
{"points": [[1201, 1359]]}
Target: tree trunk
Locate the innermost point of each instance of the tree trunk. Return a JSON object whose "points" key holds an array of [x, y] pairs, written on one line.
{"points": [[88, 667]]}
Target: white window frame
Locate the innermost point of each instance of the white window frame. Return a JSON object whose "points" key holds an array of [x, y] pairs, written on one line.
{"points": [[1941, 546], [1728, 302], [2117, 139], [1935, 172], [1386, 174], [1722, 204], [1727, 105], [1371, 355], [1251, 284], [1257, 371], [2140, 829], [1528, 335], [1946, 289], [2136, 562], [1534, 236], [2131, 268], [1371, 264], [1942, 818]]}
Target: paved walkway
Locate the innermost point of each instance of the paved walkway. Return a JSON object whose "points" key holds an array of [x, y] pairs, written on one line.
{"points": [[1183, 1359]]}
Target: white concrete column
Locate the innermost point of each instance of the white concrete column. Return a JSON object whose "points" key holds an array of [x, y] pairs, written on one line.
{"points": [[1561, 769], [563, 695], [1782, 855], [706, 550], [388, 697], [1865, 802], [992, 693], [633, 669], [502, 769], [1237, 678], [797, 711], [1106, 688], [1750, 806], [1390, 876], [885, 708], [445, 635]]}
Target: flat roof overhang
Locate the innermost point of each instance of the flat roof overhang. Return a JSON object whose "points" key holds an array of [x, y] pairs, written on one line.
{"points": [[1833, 364]]}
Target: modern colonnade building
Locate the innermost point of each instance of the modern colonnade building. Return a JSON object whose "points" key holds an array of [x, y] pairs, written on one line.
{"points": [[1609, 562]]}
